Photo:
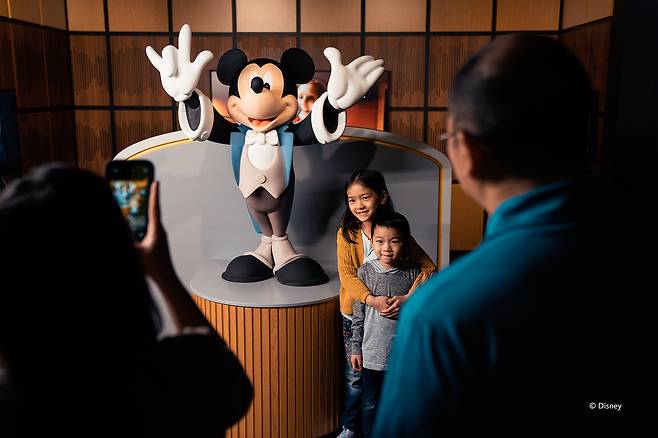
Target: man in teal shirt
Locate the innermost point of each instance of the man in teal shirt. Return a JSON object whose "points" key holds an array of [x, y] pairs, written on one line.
{"points": [[525, 335]]}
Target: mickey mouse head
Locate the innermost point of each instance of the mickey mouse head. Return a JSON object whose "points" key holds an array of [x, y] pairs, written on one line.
{"points": [[263, 92]]}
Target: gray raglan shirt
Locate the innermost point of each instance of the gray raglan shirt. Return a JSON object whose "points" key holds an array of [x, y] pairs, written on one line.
{"points": [[372, 334]]}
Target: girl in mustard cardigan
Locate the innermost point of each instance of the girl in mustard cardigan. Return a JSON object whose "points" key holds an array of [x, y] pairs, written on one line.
{"points": [[365, 195]]}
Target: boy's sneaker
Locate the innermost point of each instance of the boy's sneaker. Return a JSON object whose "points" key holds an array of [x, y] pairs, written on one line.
{"points": [[346, 433]]}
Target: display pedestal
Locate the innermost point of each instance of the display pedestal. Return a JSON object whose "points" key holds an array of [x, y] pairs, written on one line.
{"points": [[288, 340]]}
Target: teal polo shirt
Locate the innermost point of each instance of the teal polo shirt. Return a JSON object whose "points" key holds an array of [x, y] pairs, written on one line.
{"points": [[504, 339]]}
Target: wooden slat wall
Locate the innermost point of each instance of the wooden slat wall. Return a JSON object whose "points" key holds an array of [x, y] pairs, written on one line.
{"points": [[62, 134], [592, 46], [447, 55], [292, 357], [406, 123], [134, 80], [93, 132], [437, 125], [58, 68], [265, 46], [404, 56], [315, 45], [30, 68], [34, 134], [132, 126], [89, 70], [7, 55]]}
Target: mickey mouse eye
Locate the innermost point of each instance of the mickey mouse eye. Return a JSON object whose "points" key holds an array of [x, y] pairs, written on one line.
{"points": [[266, 85]]}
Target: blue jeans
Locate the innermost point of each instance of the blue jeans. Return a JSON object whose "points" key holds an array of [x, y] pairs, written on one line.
{"points": [[372, 386], [352, 410]]}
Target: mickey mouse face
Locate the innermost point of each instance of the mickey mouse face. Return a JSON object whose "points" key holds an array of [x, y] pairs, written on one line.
{"points": [[262, 92], [260, 104]]}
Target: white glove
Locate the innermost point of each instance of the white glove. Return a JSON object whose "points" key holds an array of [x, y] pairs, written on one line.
{"points": [[179, 76], [349, 83]]}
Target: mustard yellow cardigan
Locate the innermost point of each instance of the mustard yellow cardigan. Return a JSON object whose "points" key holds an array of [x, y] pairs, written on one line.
{"points": [[350, 258]]}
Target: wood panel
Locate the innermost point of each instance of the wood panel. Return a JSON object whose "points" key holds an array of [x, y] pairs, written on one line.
{"points": [[527, 15], [85, 15], [334, 16], [62, 134], [203, 15], [592, 46], [467, 221], [447, 55], [138, 15], [4, 9], [134, 79], [31, 82], [349, 47], [7, 55], [395, 16], [576, 12], [271, 16], [460, 16], [89, 70], [94, 139], [53, 13], [404, 56], [406, 123], [437, 124], [296, 372], [34, 135], [25, 10], [218, 45], [58, 68], [265, 46], [132, 126]]}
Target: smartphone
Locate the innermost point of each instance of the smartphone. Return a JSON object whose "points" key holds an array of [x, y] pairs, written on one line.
{"points": [[130, 183]]}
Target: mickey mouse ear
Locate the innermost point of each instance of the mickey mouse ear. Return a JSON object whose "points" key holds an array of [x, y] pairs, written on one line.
{"points": [[298, 65], [230, 65]]}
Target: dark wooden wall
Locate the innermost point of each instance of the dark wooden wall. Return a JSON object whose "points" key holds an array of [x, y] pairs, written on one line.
{"points": [[113, 96], [35, 63]]}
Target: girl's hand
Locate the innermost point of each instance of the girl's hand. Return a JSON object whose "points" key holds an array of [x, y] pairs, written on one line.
{"points": [[357, 362], [154, 248], [377, 302], [394, 304]]}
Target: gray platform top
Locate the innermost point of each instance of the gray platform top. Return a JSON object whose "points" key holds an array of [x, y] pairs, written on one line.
{"points": [[208, 284], [208, 224]]}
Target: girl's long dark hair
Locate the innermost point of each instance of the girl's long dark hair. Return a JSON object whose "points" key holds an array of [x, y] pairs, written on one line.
{"points": [[373, 180]]}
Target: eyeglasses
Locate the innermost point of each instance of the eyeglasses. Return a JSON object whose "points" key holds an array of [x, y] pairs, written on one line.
{"points": [[447, 135]]}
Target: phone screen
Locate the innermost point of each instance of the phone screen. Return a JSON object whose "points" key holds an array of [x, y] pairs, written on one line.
{"points": [[130, 184]]}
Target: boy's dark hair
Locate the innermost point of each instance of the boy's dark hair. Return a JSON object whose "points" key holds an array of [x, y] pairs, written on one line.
{"points": [[393, 220], [525, 102], [373, 180]]}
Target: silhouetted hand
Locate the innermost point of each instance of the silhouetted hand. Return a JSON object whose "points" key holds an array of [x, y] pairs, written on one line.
{"points": [[154, 248]]}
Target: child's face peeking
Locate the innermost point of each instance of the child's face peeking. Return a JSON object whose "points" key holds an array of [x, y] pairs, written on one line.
{"points": [[363, 201], [306, 98], [388, 245]]}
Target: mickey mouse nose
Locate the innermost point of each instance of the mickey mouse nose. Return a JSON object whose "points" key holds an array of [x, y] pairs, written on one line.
{"points": [[257, 84]]}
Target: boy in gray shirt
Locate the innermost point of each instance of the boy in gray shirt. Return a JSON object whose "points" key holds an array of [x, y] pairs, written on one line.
{"points": [[372, 334]]}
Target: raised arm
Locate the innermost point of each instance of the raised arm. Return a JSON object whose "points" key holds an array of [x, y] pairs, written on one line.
{"points": [[180, 76]]}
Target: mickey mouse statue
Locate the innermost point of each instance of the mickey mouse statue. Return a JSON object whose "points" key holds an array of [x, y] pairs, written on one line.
{"points": [[263, 102]]}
